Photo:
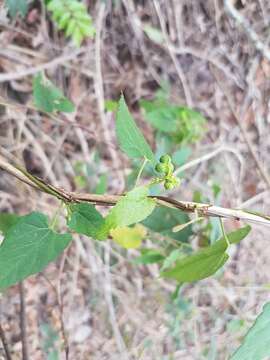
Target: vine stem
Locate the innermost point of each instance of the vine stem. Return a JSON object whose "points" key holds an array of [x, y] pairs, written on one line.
{"points": [[204, 210]]}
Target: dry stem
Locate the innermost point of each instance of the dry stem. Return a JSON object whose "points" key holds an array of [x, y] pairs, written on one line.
{"points": [[205, 210]]}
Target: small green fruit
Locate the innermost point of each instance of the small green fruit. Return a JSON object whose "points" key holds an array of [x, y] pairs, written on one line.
{"points": [[165, 159]]}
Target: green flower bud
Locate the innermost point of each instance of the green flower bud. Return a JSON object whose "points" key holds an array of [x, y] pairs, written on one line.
{"points": [[169, 185], [165, 159], [171, 182], [161, 168]]}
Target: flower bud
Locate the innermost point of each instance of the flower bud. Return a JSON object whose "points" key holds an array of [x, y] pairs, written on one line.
{"points": [[165, 159], [161, 168], [169, 185]]}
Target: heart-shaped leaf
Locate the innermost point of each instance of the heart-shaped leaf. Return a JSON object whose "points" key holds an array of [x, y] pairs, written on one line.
{"points": [[85, 219], [28, 247]]}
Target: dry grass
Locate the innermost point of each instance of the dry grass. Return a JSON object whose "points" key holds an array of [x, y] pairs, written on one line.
{"points": [[110, 308]]}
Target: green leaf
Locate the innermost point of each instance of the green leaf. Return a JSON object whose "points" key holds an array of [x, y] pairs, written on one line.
{"points": [[85, 219], [191, 127], [72, 17], [129, 137], [134, 207], [49, 98], [164, 118], [149, 256], [6, 221], [28, 247], [129, 238], [256, 342], [171, 258], [17, 7], [205, 262], [163, 219], [183, 124]]}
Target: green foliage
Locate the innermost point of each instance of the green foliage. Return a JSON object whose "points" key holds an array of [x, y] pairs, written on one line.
{"points": [[29, 244], [72, 17], [166, 168], [129, 238], [48, 97], [171, 258], [129, 137], [16, 7], [205, 262], [182, 124], [180, 312], [85, 219], [256, 342], [6, 221], [149, 256], [134, 207], [28, 247], [164, 219]]}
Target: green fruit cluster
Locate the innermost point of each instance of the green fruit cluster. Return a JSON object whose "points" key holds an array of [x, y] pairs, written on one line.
{"points": [[166, 168]]}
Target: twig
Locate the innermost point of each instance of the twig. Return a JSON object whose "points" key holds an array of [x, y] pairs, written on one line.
{"points": [[23, 323], [4, 342], [201, 209], [178, 68], [108, 297], [246, 138], [100, 91], [248, 29], [48, 65], [61, 316], [207, 157], [61, 307]]}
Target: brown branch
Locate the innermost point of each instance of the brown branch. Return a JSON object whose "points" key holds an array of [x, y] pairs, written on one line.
{"points": [[45, 66], [205, 210]]}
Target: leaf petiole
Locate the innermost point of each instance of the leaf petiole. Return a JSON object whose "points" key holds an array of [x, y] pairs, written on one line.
{"points": [[223, 232], [141, 170]]}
